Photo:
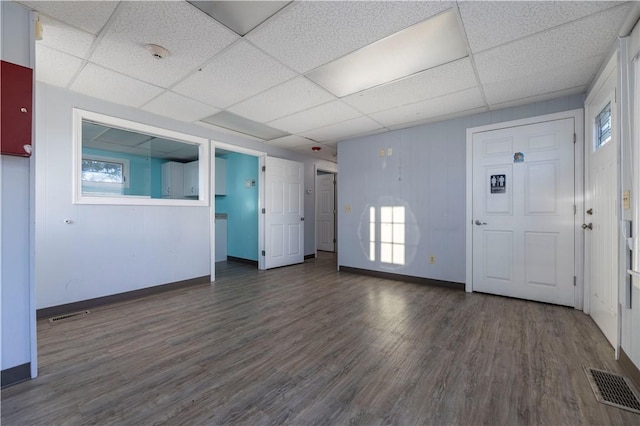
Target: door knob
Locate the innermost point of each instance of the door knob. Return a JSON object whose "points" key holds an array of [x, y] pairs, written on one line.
{"points": [[302, 219], [590, 211], [587, 226], [477, 222]]}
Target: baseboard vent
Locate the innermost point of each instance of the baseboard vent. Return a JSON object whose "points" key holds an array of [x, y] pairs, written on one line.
{"points": [[613, 389], [67, 316]]}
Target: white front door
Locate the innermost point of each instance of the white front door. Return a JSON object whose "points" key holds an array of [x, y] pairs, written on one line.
{"points": [[284, 212], [523, 212], [601, 239], [325, 216]]}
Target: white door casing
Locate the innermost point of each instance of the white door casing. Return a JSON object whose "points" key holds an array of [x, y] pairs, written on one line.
{"points": [[601, 241], [325, 212], [522, 213], [261, 198], [284, 212]]}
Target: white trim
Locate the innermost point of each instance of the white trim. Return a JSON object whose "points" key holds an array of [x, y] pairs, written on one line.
{"points": [[262, 245], [33, 329], [203, 157], [577, 115]]}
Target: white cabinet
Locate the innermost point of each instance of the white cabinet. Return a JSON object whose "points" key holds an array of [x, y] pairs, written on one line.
{"points": [[191, 179], [172, 180], [221, 176], [221, 240]]}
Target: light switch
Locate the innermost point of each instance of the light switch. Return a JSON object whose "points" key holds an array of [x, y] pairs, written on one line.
{"points": [[381, 152], [389, 152], [626, 200]]}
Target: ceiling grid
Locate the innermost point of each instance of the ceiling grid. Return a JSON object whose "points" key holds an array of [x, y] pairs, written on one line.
{"points": [[260, 77]]}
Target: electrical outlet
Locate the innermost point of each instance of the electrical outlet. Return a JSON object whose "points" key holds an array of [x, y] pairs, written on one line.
{"points": [[389, 152], [382, 152], [432, 259]]}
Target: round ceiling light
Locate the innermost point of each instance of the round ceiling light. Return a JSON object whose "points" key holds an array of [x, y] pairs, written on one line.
{"points": [[157, 52], [316, 148]]}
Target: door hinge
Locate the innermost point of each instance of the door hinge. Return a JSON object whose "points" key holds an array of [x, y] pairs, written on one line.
{"points": [[264, 253], [334, 241], [575, 281], [575, 210], [264, 168], [574, 138], [264, 211]]}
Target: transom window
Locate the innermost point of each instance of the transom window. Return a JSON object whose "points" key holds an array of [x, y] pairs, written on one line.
{"points": [[603, 126]]}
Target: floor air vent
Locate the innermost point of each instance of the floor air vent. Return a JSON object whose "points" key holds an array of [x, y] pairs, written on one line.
{"points": [[67, 316], [613, 389]]}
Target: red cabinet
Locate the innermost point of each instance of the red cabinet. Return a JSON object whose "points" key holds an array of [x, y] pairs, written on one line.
{"points": [[16, 99]]}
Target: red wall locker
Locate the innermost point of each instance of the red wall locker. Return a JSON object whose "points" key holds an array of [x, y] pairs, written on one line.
{"points": [[16, 99]]}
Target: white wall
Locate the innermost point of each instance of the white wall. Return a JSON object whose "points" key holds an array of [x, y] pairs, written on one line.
{"points": [[18, 318], [114, 249], [426, 173]]}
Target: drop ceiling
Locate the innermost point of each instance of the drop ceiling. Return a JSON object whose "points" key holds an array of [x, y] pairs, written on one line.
{"points": [[513, 53]]}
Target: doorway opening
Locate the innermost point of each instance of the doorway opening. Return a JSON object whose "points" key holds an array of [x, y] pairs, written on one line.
{"points": [[236, 210], [325, 211]]}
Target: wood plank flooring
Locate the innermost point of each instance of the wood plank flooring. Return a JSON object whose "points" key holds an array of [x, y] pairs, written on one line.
{"points": [[307, 345]]}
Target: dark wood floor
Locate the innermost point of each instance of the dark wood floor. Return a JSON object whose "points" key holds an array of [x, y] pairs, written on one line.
{"points": [[307, 345]]}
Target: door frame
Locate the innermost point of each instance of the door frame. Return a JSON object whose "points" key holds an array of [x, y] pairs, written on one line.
{"points": [[212, 206], [578, 116], [335, 210]]}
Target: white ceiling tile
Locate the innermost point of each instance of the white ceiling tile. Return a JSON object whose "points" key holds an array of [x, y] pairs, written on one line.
{"points": [[90, 16], [343, 130], [290, 97], [123, 137], [439, 118], [111, 86], [577, 74], [291, 141], [517, 19], [539, 98], [242, 67], [322, 115], [436, 107], [191, 37], [104, 146], [439, 81], [55, 68], [179, 107], [307, 34], [569, 43], [65, 38]]}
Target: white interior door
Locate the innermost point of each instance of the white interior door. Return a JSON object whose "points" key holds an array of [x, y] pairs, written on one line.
{"points": [[523, 212], [601, 238], [284, 212], [325, 215]]}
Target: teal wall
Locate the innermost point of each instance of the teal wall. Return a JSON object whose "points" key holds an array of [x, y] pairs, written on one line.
{"points": [[241, 206], [145, 174]]}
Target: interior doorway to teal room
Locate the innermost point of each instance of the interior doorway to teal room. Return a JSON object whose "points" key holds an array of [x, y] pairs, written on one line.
{"points": [[236, 209]]}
